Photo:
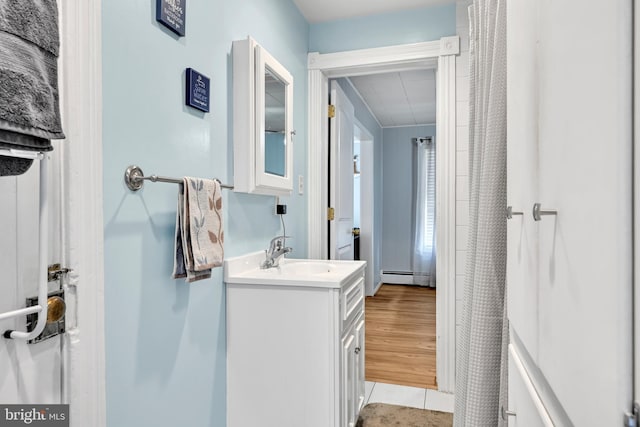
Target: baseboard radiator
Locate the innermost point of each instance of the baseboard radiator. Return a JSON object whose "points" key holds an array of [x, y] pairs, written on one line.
{"points": [[397, 277]]}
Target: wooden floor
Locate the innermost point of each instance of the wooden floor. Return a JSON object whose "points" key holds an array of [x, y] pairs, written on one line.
{"points": [[400, 336]]}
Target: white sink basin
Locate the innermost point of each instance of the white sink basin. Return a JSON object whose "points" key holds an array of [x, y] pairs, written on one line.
{"points": [[291, 272]]}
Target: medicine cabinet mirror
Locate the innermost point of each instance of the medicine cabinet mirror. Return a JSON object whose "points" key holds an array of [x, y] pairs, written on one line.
{"points": [[262, 121]]}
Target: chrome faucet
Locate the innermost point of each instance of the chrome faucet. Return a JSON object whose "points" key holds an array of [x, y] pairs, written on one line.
{"points": [[275, 251]]}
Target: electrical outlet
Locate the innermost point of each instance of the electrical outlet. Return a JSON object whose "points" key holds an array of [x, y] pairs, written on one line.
{"points": [[300, 184]]}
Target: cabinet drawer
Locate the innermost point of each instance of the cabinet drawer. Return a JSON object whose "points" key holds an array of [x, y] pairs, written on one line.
{"points": [[352, 302]]}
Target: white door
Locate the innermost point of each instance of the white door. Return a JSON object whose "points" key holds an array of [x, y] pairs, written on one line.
{"points": [[30, 373], [569, 145], [341, 175]]}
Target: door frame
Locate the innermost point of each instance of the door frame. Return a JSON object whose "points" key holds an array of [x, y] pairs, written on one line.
{"points": [[80, 63], [636, 208], [441, 54], [367, 217]]}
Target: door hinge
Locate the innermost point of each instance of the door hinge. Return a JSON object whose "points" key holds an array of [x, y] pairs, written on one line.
{"points": [[632, 419], [332, 111], [331, 214]]}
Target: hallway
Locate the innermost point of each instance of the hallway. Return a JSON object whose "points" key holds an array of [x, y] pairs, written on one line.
{"points": [[401, 336]]}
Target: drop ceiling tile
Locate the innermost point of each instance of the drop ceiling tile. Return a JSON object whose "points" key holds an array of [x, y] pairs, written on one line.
{"points": [[417, 75], [399, 99]]}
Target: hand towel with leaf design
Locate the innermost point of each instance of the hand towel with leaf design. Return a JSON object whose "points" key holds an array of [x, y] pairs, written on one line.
{"points": [[199, 229]]}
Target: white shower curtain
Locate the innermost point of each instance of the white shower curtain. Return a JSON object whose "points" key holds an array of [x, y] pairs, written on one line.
{"points": [[424, 221], [481, 352]]}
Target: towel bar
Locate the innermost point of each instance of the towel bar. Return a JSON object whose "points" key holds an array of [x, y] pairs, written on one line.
{"points": [[41, 308], [22, 154], [134, 178]]}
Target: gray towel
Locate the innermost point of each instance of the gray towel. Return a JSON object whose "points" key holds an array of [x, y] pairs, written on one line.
{"points": [[29, 108], [32, 20]]}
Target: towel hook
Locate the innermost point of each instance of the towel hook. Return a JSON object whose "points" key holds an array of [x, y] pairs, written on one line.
{"points": [[504, 413], [511, 213], [538, 212]]}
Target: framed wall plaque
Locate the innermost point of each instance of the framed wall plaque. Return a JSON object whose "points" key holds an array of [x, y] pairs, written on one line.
{"points": [[198, 89], [172, 14]]}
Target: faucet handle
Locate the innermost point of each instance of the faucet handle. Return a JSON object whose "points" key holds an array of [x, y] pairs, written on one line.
{"points": [[279, 240]]}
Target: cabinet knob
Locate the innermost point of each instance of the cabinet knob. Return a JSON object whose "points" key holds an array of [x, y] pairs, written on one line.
{"points": [[357, 350]]}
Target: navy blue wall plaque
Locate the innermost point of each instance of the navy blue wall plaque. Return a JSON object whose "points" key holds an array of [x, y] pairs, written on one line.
{"points": [[197, 90], [172, 14]]}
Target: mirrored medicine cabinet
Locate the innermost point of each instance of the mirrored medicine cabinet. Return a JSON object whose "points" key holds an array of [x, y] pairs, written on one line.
{"points": [[262, 121]]}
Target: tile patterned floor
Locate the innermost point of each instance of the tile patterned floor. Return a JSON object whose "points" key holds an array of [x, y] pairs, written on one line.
{"points": [[408, 396]]}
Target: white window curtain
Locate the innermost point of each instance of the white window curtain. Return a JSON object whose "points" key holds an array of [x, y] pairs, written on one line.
{"points": [[424, 221]]}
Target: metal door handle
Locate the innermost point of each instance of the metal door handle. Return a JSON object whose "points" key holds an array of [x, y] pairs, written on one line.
{"points": [[511, 213], [538, 212]]}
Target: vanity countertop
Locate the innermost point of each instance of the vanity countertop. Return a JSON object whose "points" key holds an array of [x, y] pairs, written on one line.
{"points": [[246, 269]]}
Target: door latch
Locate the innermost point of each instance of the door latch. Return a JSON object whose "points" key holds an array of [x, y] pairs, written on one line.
{"points": [[56, 307], [55, 272]]}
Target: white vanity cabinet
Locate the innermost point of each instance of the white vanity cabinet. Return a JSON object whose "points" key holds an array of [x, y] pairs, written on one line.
{"points": [[295, 344]]}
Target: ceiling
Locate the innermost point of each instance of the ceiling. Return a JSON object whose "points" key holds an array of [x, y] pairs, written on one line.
{"points": [[316, 11], [406, 98]]}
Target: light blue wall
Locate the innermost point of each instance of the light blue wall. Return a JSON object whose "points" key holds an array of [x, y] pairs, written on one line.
{"points": [[397, 190], [411, 26], [362, 113], [165, 339]]}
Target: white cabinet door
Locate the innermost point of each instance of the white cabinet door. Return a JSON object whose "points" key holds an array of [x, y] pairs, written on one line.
{"points": [[360, 356], [348, 369]]}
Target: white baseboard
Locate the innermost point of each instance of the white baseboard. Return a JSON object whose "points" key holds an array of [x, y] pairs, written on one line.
{"points": [[397, 279], [375, 290]]}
